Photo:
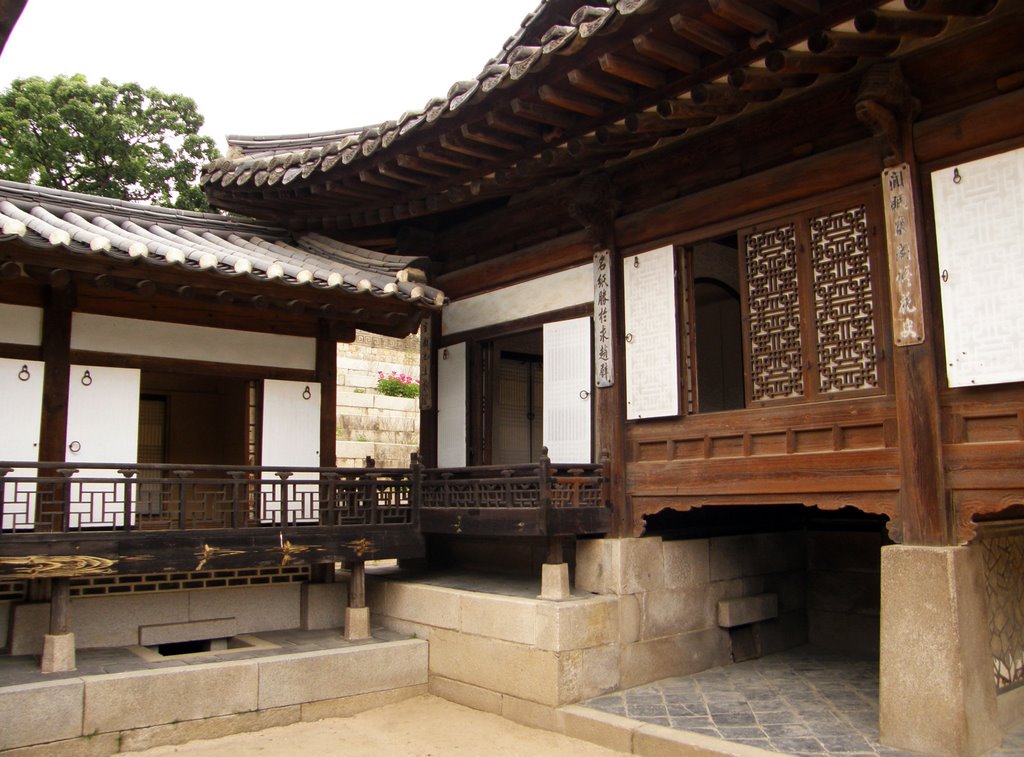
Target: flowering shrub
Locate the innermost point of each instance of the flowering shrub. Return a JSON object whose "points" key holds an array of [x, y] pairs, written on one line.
{"points": [[397, 385]]}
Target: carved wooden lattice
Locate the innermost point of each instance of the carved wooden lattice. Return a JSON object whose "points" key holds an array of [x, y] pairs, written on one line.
{"points": [[843, 313], [1004, 588], [774, 313]]}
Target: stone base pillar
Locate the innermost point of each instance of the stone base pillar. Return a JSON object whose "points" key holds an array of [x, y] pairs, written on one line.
{"points": [[554, 582], [936, 689], [357, 623], [58, 653]]}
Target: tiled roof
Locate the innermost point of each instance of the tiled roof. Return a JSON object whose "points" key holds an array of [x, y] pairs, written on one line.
{"points": [[578, 87], [87, 225]]}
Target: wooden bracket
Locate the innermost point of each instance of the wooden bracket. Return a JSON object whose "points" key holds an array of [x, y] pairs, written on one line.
{"points": [[883, 104], [595, 206]]}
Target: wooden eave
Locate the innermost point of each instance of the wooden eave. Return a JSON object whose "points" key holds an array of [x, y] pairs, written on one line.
{"points": [[612, 84]]}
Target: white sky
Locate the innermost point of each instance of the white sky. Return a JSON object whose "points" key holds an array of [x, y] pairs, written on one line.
{"points": [[262, 67]]}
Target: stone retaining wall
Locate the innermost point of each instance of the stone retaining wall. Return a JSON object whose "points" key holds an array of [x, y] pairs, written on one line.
{"points": [[372, 424]]}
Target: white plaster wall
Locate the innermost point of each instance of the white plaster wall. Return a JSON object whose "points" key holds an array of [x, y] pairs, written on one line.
{"points": [[129, 336], [21, 324], [559, 290]]}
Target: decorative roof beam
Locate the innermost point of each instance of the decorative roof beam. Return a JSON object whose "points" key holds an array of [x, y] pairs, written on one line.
{"points": [[652, 123], [414, 163], [541, 113], [630, 70], [600, 86], [801, 7], [688, 108], [454, 144], [484, 137], [409, 177], [896, 24], [745, 17], [796, 62], [702, 35], [828, 42], [754, 78], [666, 54], [511, 125], [445, 158], [570, 101]]}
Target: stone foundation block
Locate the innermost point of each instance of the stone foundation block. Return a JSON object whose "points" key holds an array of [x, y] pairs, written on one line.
{"points": [[328, 674], [619, 566], [586, 673], [601, 728], [686, 563], [322, 606], [936, 693], [37, 713], [98, 745], [746, 610], [660, 741], [647, 661], [208, 728], [666, 612], [357, 623], [256, 608], [29, 623], [554, 582], [498, 617], [122, 701], [579, 624], [58, 653], [529, 713], [465, 694], [517, 669], [346, 707], [431, 605]]}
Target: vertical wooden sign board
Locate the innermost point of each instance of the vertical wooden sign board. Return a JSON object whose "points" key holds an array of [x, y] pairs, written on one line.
{"points": [[904, 270], [604, 366]]}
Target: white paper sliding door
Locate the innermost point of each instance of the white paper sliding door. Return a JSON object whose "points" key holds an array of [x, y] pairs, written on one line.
{"points": [[567, 391], [21, 405], [291, 438], [652, 371], [451, 406], [103, 427]]}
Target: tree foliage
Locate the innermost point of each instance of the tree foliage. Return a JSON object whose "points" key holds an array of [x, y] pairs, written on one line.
{"points": [[107, 139]]}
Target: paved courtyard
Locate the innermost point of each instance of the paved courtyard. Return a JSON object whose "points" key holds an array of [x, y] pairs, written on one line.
{"points": [[804, 701]]}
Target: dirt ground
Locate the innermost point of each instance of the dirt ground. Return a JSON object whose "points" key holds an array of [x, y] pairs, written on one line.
{"points": [[417, 727]]}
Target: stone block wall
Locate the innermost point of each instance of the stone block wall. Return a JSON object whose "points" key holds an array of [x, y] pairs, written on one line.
{"points": [[668, 594], [372, 424]]}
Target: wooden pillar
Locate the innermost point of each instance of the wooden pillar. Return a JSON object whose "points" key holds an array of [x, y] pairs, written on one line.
{"points": [[430, 334], [357, 586], [56, 353], [327, 376], [60, 605], [595, 207], [886, 105]]}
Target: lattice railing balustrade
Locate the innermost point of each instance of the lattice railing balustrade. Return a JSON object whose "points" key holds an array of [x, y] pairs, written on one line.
{"points": [[540, 484], [57, 497]]}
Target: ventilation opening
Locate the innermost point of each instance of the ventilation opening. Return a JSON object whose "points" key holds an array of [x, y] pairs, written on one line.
{"points": [[198, 648]]}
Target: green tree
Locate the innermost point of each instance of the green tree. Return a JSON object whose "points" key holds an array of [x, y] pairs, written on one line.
{"points": [[112, 140]]}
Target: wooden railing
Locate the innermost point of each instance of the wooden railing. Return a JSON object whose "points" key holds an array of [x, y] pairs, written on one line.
{"points": [[60, 497], [79, 497]]}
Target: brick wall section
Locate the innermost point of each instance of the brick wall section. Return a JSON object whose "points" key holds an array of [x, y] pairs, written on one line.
{"points": [[385, 428]]}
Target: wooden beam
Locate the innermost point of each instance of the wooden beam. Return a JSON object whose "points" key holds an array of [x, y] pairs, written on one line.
{"points": [[666, 54], [60, 604], [754, 78], [541, 113], [570, 101], [513, 125], [702, 35], [599, 86], [488, 137], [796, 62], [952, 7], [56, 353], [327, 376], [896, 24], [744, 16], [630, 70], [829, 42]]}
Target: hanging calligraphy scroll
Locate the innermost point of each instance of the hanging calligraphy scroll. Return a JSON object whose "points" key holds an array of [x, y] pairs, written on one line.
{"points": [[904, 270], [604, 366]]}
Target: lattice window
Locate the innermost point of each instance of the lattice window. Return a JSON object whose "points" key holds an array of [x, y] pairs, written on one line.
{"points": [[843, 312], [1003, 555], [773, 304]]}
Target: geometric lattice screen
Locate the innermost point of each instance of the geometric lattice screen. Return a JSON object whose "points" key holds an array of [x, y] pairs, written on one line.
{"points": [[811, 270], [773, 303], [843, 314], [1003, 554]]}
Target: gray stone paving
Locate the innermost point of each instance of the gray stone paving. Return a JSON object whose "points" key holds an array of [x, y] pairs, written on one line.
{"points": [[802, 702], [25, 668]]}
